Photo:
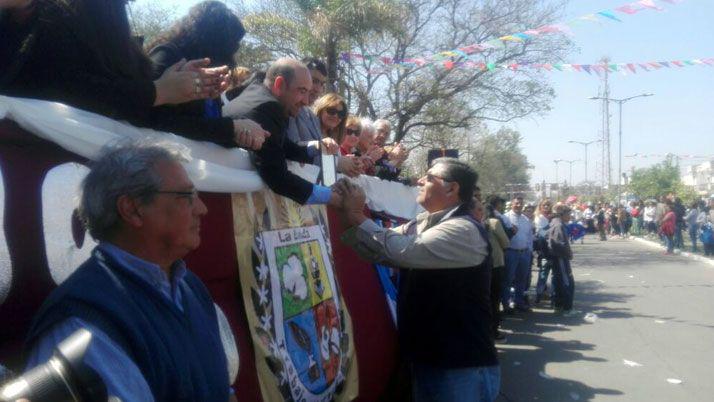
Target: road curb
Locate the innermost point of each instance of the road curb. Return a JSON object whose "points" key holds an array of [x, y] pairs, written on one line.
{"points": [[687, 254]]}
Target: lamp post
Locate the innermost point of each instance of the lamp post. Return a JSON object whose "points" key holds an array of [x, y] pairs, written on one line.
{"points": [[585, 144], [570, 162], [557, 161], [619, 158]]}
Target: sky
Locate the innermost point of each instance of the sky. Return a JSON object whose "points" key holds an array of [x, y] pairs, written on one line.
{"points": [[678, 119]]}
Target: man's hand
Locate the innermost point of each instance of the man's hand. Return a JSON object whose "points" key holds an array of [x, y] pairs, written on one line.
{"points": [[353, 200], [330, 146], [349, 165], [249, 134]]}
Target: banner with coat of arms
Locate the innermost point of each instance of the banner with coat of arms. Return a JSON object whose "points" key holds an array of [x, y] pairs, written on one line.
{"points": [[299, 323]]}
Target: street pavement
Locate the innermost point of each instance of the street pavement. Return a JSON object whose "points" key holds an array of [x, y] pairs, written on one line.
{"points": [[643, 330]]}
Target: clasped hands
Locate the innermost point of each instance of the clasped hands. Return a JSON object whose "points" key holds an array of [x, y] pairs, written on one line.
{"points": [[350, 199]]}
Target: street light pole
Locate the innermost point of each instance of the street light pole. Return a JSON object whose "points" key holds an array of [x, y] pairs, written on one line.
{"points": [[557, 161], [570, 162], [619, 163], [585, 144]]}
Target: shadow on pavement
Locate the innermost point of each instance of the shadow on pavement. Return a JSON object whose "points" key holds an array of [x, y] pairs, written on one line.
{"points": [[529, 349]]}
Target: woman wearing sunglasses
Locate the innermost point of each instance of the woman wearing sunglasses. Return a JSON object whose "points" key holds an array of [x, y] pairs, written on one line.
{"points": [[331, 109]]}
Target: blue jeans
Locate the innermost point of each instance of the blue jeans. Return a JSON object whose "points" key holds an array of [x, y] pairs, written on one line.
{"points": [[564, 284], [669, 243], [693, 234], [678, 241], [472, 384], [518, 263]]}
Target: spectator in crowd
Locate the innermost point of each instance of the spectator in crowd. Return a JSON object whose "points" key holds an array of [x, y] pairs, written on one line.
{"points": [[444, 282], [155, 334], [561, 254], [518, 258], [331, 111], [80, 52], [383, 130], [353, 128], [668, 227], [600, 219], [692, 224], [705, 222], [305, 126], [499, 242], [679, 212], [497, 205], [623, 222], [282, 94], [365, 149], [636, 213], [589, 216], [614, 221], [210, 32], [650, 214], [540, 246]]}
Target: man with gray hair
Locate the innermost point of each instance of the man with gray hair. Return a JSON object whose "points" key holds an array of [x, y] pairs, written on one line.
{"points": [[443, 306], [155, 334], [283, 93]]}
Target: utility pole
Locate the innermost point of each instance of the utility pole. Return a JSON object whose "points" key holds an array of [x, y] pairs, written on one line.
{"points": [[585, 144]]}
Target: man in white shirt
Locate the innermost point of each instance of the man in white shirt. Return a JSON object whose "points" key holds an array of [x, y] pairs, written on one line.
{"points": [[518, 258]]}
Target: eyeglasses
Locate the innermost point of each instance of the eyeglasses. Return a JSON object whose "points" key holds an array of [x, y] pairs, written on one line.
{"points": [[334, 111], [431, 177], [191, 196], [352, 131]]}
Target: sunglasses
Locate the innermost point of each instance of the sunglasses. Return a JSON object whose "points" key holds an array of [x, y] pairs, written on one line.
{"points": [[335, 112], [352, 131]]}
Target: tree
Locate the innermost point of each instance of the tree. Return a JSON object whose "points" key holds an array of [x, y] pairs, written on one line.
{"points": [[496, 156], [151, 19], [660, 179], [314, 27], [398, 29]]}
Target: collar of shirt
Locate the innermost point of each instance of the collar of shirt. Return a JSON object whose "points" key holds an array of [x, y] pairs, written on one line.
{"points": [[149, 272], [425, 220]]}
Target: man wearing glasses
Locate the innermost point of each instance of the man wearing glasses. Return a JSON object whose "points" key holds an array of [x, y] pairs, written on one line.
{"points": [[155, 334], [443, 305], [304, 128]]}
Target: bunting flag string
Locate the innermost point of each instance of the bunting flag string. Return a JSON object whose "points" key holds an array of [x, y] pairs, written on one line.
{"points": [[597, 69], [450, 56], [667, 155]]}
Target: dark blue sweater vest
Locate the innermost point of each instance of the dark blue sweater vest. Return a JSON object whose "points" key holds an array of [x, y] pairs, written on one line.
{"points": [[180, 354], [444, 315]]}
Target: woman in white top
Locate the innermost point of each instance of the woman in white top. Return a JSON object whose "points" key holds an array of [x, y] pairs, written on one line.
{"points": [[649, 218]]}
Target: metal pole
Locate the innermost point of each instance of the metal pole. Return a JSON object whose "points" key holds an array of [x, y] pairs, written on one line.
{"points": [[586, 163], [619, 158]]}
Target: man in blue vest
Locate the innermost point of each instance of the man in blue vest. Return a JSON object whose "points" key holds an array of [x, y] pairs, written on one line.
{"points": [[443, 305], [154, 325]]}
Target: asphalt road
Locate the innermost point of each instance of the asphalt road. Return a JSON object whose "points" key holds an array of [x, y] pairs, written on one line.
{"points": [[642, 319]]}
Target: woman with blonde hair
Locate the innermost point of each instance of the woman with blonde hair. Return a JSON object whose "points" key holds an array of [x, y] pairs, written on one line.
{"points": [[331, 110], [353, 128]]}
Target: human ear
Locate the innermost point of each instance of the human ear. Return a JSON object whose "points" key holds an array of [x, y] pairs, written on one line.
{"points": [[129, 211], [279, 85]]}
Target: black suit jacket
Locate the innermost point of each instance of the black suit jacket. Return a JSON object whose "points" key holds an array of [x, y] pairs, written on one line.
{"points": [[258, 104]]}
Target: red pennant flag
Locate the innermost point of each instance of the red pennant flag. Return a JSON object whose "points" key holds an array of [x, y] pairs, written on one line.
{"points": [[547, 67], [513, 66], [678, 63], [628, 9], [577, 67], [632, 68], [448, 64], [655, 65]]}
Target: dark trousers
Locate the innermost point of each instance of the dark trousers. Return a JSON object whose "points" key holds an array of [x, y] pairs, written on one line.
{"points": [[496, 285], [564, 284]]}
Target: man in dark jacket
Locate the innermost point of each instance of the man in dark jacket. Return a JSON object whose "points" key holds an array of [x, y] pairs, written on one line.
{"points": [[443, 306], [155, 333], [561, 254], [283, 93]]}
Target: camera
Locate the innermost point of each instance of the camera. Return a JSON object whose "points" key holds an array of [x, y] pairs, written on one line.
{"points": [[63, 378]]}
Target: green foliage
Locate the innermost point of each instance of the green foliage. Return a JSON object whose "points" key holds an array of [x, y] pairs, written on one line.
{"points": [[658, 180]]}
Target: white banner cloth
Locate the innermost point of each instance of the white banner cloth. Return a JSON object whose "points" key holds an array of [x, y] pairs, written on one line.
{"points": [[213, 168]]}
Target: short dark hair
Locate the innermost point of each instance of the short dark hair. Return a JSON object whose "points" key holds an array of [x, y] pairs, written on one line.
{"points": [[313, 63], [494, 200], [459, 172]]}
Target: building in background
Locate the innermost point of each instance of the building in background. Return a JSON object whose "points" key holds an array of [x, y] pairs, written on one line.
{"points": [[701, 177]]}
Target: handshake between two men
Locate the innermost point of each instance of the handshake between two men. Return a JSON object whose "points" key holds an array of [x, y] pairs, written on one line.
{"points": [[350, 199]]}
